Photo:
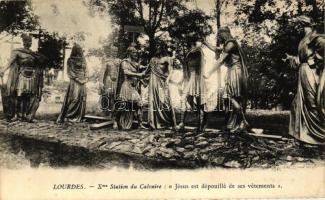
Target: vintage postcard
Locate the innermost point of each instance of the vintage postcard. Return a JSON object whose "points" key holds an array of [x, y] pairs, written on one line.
{"points": [[162, 99]]}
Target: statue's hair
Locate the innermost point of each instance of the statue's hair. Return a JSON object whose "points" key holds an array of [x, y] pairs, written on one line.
{"points": [[305, 20], [225, 32], [130, 48], [26, 37]]}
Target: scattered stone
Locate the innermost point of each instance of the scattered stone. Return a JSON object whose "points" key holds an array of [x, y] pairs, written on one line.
{"points": [[257, 130], [300, 159], [200, 135], [189, 155], [180, 149], [202, 144], [143, 132], [220, 139], [210, 134], [189, 134], [141, 145], [252, 152], [217, 145], [204, 157], [137, 150], [201, 139], [256, 158], [289, 158], [134, 141], [177, 141], [124, 147], [173, 142], [164, 144], [151, 152], [218, 160], [207, 149], [188, 141], [147, 149], [189, 147], [163, 149], [151, 138], [114, 144], [167, 153], [233, 164], [161, 140]]}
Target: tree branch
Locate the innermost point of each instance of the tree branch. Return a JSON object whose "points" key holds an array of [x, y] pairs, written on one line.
{"points": [[155, 13], [150, 6], [163, 3], [140, 9]]}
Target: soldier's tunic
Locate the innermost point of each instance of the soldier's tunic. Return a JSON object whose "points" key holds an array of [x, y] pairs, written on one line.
{"points": [[25, 78], [129, 89], [108, 77], [194, 85], [127, 93], [236, 83]]}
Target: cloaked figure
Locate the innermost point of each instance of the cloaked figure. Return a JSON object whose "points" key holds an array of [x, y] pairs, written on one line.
{"points": [[234, 59], [25, 82], [74, 105], [307, 117]]}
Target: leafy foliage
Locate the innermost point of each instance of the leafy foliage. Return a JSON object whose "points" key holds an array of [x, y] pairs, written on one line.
{"points": [[270, 33], [17, 16], [52, 47], [190, 27]]}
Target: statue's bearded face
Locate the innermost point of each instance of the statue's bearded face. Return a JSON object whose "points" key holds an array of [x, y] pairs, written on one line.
{"points": [[221, 38], [133, 54], [27, 43], [300, 29], [319, 59]]}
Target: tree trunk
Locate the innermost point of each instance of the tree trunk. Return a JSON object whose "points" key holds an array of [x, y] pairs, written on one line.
{"points": [[218, 5], [121, 46], [315, 11], [152, 45]]}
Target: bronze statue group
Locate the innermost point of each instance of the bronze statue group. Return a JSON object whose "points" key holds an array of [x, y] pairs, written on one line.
{"points": [[121, 82]]}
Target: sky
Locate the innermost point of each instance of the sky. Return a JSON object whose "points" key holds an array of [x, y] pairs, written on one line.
{"points": [[71, 17]]}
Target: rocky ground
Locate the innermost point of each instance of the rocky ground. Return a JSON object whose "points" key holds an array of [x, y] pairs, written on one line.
{"points": [[153, 149]]}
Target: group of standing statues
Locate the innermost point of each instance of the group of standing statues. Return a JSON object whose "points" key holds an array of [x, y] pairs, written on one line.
{"points": [[126, 76], [122, 81]]}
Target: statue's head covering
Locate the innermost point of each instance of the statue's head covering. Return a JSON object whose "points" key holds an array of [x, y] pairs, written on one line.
{"points": [[304, 20], [113, 51], [76, 51], [317, 45], [26, 37], [224, 34]]}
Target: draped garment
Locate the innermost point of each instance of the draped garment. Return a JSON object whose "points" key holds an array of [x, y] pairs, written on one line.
{"points": [[307, 117], [161, 113], [74, 105]]}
